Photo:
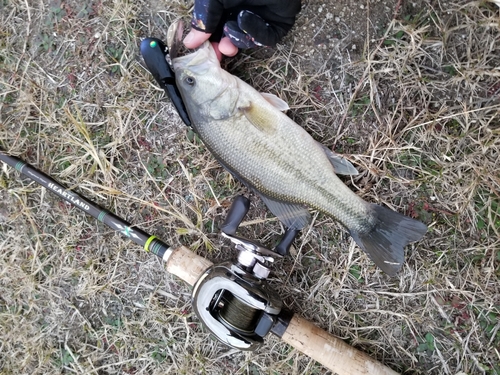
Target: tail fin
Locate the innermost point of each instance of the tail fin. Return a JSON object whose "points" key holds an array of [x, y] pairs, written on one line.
{"points": [[385, 242]]}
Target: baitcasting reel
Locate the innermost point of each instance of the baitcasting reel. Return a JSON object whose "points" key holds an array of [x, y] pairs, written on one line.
{"points": [[234, 300]]}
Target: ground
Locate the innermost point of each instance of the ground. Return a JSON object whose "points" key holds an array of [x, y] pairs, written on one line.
{"points": [[409, 92]]}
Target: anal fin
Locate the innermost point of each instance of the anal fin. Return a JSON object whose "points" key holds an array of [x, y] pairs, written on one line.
{"points": [[293, 216]]}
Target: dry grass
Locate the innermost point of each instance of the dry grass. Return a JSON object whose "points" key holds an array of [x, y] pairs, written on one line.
{"points": [[417, 112]]}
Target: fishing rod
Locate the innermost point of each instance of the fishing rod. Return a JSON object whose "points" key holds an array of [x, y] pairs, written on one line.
{"points": [[232, 299]]}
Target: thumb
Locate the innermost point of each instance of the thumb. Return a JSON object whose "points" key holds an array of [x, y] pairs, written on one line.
{"points": [[195, 38]]}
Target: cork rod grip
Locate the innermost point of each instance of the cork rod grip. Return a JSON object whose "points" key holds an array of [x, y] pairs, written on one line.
{"points": [[186, 265], [331, 351]]}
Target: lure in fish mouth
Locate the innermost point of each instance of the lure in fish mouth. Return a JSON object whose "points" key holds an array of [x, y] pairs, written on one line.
{"points": [[253, 139]]}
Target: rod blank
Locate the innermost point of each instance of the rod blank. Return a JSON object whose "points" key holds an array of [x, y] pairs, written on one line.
{"points": [[148, 242]]}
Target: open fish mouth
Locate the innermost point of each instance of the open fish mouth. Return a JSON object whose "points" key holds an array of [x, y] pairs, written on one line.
{"points": [[175, 35], [179, 56]]}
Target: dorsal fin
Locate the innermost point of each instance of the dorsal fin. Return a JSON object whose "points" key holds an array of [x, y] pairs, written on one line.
{"points": [[340, 164]]}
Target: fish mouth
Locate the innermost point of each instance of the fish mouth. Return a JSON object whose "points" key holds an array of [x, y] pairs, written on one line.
{"points": [[203, 53]]}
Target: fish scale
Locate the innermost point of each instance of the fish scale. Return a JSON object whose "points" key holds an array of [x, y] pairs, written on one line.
{"points": [[280, 161], [314, 194]]}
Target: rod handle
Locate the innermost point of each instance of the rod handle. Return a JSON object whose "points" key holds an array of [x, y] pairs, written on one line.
{"points": [[330, 351], [187, 265]]}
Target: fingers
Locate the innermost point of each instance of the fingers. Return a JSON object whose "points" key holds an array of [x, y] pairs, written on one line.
{"points": [[195, 38], [217, 52], [227, 48], [260, 31], [262, 25]]}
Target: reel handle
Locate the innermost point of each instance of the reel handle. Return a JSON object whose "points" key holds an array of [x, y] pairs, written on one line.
{"points": [[235, 216], [286, 241], [237, 212]]}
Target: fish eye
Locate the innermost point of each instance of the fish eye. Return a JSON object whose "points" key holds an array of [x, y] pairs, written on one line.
{"points": [[189, 80]]}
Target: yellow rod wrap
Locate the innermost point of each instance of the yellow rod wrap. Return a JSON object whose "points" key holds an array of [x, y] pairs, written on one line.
{"points": [[148, 242]]}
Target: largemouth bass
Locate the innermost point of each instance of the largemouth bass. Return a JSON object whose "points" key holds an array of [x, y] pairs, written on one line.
{"points": [[249, 135]]}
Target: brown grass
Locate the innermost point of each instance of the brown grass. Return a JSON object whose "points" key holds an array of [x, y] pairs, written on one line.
{"points": [[416, 110]]}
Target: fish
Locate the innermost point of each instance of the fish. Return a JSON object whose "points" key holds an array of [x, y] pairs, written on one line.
{"points": [[250, 135]]}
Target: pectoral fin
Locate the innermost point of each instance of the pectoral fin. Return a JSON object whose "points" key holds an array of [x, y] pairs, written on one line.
{"points": [[275, 101], [340, 164], [260, 117]]}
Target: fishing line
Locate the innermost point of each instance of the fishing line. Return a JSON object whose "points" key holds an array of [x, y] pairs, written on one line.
{"points": [[238, 315]]}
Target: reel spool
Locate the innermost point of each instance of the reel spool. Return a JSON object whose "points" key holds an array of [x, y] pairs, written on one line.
{"points": [[236, 315], [234, 301]]}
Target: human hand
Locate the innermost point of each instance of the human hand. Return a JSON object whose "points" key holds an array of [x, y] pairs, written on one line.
{"points": [[233, 24]]}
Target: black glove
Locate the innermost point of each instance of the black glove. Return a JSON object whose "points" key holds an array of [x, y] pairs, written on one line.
{"points": [[247, 23]]}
